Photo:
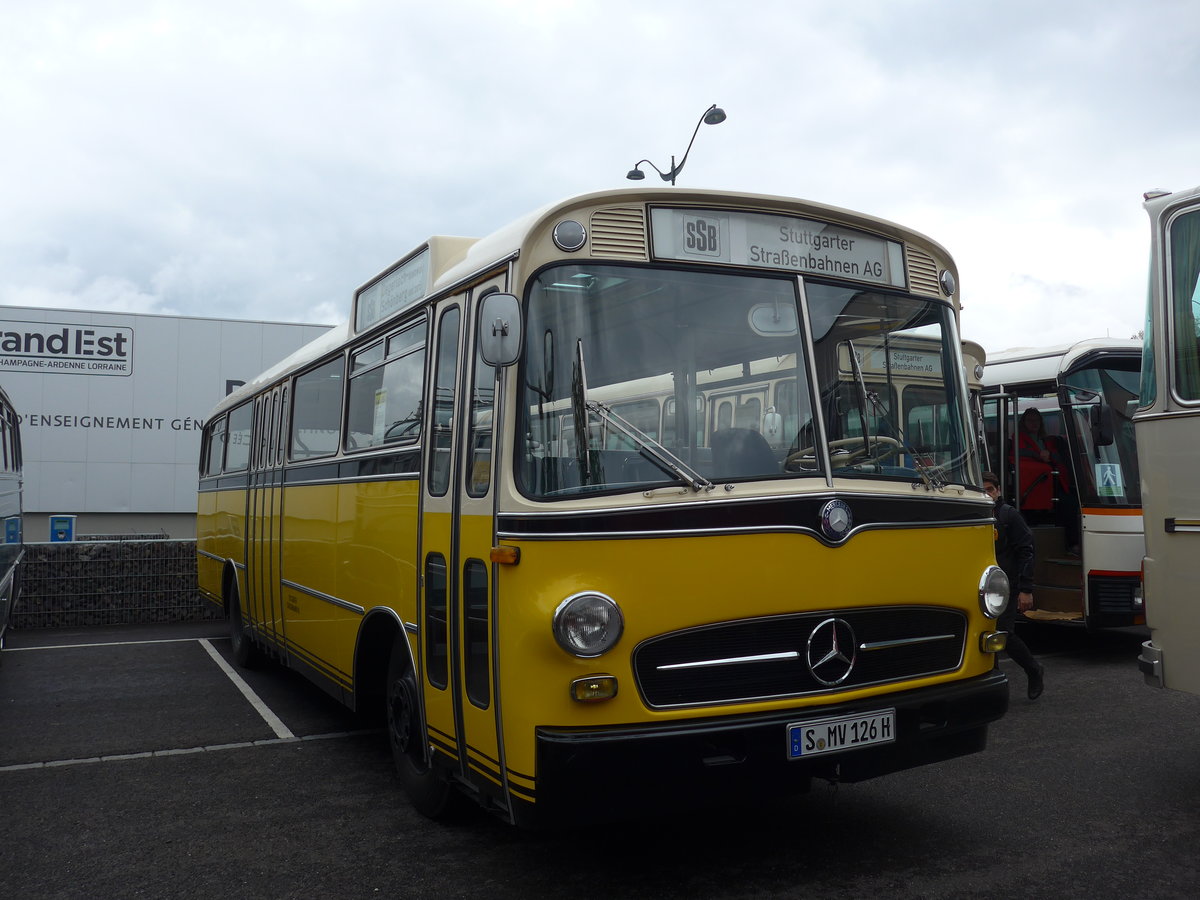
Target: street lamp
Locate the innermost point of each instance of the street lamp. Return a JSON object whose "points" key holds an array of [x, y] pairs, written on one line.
{"points": [[714, 115]]}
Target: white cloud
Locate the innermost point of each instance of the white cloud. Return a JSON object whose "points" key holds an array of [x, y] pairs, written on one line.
{"points": [[262, 160]]}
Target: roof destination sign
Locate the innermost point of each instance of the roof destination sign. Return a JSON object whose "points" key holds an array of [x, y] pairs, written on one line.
{"points": [[776, 242], [399, 289]]}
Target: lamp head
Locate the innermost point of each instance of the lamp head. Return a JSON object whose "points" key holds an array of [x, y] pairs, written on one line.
{"points": [[714, 116], [635, 174]]}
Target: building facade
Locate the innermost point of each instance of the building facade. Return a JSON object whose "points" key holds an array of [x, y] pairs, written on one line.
{"points": [[111, 406]]}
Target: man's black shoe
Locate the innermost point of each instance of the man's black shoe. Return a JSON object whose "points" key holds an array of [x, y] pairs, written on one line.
{"points": [[1035, 683]]}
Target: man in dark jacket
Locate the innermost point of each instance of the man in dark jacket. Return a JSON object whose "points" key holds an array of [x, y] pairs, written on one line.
{"points": [[1014, 554]]}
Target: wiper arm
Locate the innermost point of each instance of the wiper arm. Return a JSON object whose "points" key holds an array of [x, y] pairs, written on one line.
{"points": [[929, 476], [862, 397], [651, 449]]}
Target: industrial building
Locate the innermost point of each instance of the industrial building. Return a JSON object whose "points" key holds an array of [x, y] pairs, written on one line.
{"points": [[111, 406]]}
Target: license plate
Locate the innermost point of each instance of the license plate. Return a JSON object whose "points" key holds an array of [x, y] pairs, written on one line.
{"points": [[834, 733]]}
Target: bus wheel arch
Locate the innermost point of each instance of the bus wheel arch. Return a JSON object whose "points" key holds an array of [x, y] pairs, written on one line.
{"points": [[372, 655], [245, 652], [429, 791]]}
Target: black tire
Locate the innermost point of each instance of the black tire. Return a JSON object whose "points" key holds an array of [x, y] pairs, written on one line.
{"points": [[245, 653], [430, 793]]}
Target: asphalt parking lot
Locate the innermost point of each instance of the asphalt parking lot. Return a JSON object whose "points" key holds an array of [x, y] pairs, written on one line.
{"points": [[136, 762]]}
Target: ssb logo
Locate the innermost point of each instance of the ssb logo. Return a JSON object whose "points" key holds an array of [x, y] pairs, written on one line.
{"points": [[701, 236]]}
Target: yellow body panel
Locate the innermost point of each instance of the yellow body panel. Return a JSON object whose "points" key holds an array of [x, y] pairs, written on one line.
{"points": [[663, 585], [354, 543], [221, 532]]}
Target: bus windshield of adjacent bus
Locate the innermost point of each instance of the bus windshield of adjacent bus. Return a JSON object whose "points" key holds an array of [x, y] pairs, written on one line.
{"points": [[1102, 400], [641, 378]]}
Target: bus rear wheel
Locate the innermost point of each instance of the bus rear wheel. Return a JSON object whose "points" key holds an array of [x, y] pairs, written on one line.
{"points": [[430, 793]]}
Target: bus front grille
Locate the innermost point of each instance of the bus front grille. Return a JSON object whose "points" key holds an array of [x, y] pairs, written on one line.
{"points": [[788, 656]]}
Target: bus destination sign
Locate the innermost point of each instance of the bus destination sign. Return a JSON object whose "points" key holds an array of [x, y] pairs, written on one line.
{"points": [[776, 242], [400, 288]]}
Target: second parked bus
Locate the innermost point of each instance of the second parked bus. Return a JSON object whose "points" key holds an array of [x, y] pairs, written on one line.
{"points": [[1084, 501]]}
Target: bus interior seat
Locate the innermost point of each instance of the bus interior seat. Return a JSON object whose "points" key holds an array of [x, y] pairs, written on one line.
{"points": [[741, 452]]}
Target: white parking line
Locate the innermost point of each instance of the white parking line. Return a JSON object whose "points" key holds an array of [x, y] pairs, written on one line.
{"points": [[283, 734], [101, 644], [150, 754], [276, 724], [281, 731]]}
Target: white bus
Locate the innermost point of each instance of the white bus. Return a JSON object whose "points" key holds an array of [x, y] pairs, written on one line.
{"points": [[11, 543], [1168, 433], [1085, 504]]}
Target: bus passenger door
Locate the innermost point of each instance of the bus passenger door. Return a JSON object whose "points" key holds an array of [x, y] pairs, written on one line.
{"points": [[457, 531], [262, 601]]}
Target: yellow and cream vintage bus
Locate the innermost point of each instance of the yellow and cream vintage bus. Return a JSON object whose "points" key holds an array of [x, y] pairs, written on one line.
{"points": [[623, 507], [1088, 524], [1168, 434]]}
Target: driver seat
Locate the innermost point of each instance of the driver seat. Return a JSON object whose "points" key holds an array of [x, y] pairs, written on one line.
{"points": [[741, 452]]}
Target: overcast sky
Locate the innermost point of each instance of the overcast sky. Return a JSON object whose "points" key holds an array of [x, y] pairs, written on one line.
{"points": [[260, 160]]}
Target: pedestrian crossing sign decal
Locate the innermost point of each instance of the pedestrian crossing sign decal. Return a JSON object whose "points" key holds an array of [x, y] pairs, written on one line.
{"points": [[1109, 482]]}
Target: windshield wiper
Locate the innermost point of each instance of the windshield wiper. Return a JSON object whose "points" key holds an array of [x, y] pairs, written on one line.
{"points": [[651, 449], [932, 480]]}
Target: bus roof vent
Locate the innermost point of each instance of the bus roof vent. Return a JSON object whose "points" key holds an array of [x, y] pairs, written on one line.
{"points": [[619, 231], [922, 273]]}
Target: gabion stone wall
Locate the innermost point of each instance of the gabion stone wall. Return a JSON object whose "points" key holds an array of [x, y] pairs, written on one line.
{"points": [[122, 582]]}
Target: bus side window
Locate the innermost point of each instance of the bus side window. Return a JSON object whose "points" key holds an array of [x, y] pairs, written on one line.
{"points": [[724, 415], [483, 398], [749, 414], [214, 447], [237, 445], [317, 411], [443, 404]]}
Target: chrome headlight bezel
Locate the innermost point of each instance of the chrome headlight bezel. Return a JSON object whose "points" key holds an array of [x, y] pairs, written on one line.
{"points": [[993, 592], [588, 624]]}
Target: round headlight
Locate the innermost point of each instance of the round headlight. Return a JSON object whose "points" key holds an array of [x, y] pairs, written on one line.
{"points": [[587, 624], [993, 591]]}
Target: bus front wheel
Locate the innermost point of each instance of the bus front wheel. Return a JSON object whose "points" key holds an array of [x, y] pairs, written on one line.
{"points": [[430, 794]]}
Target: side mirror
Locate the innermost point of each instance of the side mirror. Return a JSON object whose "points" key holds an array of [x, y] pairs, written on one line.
{"points": [[500, 329], [1102, 424]]}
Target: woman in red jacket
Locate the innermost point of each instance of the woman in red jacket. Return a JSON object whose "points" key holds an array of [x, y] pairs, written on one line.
{"points": [[1037, 456]]}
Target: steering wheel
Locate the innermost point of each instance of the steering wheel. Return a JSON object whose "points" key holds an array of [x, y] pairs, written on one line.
{"points": [[893, 447]]}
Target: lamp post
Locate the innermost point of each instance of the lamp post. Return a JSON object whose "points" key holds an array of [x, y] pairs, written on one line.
{"points": [[714, 115]]}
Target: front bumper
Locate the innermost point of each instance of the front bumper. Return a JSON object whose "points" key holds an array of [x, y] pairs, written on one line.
{"points": [[593, 775], [1150, 662]]}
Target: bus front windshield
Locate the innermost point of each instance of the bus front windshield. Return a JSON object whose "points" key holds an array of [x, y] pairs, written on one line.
{"points": [[642, 379], [1102, 401]]}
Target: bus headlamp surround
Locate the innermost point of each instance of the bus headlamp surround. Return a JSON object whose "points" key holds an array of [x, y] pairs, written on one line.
{"points": [[946, 280], [993, 591], [569, 235], [588, 624]]}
